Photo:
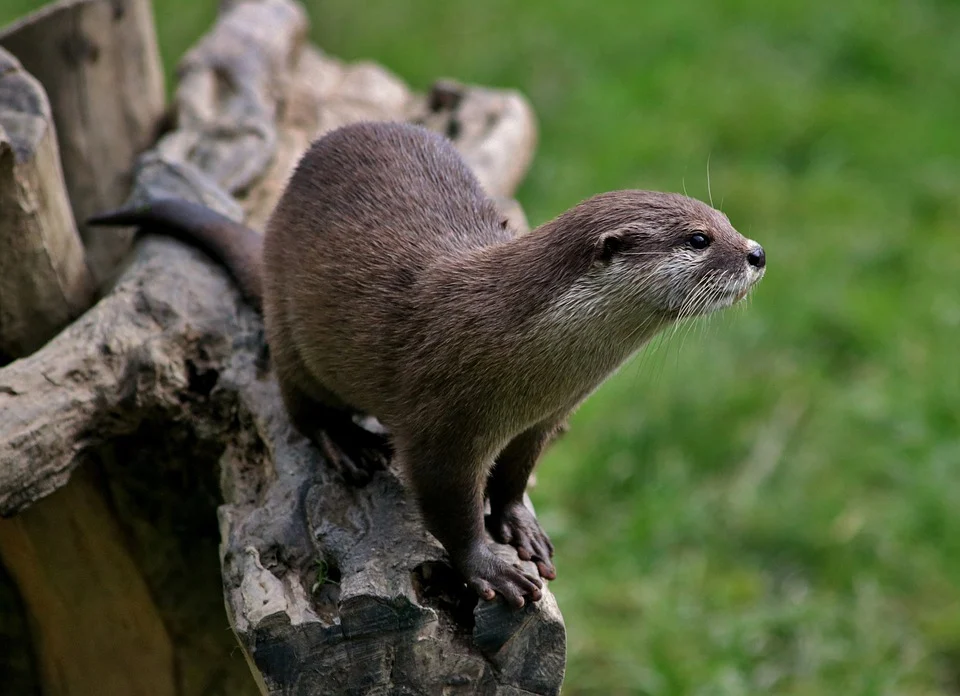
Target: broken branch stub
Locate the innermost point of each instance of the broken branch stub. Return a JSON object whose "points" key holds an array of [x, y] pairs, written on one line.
{"points": [[44, 281], [329, 589], [100, 65]]}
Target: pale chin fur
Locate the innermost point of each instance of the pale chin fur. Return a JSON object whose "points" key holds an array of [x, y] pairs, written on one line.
{"points": [[736, 290], [713, 292]]}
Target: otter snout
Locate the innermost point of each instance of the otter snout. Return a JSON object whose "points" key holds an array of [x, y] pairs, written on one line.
{"points": [[756, 257]]}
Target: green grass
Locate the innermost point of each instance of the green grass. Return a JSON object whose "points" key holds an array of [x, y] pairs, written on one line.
{"points": [[770, 505]]}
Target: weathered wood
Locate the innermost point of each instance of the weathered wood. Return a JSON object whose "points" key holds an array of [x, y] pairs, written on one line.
{"points": [[99, 63], [330, 589], [232, 84], [89, 623], [44, 281], [495, 130]]}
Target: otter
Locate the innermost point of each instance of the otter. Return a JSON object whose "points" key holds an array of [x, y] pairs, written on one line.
{"points": [[392, 286]]}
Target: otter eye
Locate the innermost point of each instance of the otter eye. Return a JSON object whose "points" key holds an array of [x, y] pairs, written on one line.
{"points": [[698, 240]]}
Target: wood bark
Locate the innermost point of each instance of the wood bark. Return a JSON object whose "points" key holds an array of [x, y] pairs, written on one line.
{"points": [[99, 63], [329, 589], [44, 281]]}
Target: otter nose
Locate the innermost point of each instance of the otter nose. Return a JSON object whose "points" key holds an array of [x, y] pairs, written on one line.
{"points": [[757, 258]]}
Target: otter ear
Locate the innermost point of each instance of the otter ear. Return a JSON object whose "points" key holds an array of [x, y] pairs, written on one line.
{"points": [[609, 245]]}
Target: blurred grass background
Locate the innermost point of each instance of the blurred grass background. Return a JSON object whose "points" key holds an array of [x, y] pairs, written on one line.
{"points": [[768, 504]]}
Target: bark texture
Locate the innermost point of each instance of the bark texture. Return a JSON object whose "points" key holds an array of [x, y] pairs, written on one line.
{"points": [[329, 589], [99, 63], [44, 281]]}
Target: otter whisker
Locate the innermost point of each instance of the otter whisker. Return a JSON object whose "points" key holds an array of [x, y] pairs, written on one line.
{"points": [[687, 308], [651, 349], [703, 286], [709, 299], [654, 345], [702, 322], [703, 298], [709, 191]]}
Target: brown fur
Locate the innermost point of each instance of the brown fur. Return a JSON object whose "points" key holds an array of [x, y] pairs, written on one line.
{"points": [[391, 287]]}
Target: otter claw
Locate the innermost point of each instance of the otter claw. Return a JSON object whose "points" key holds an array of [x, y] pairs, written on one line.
{"points": [[515, 525], [488, 575]]}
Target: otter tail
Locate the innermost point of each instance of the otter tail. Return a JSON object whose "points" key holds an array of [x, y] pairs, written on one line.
{"points": [[236, 246]]}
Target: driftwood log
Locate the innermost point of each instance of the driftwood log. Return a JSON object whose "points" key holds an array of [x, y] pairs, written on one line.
{"points": [[149, 475]]}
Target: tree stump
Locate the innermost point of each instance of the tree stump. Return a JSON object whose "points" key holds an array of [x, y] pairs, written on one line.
{"points": [[154, 428]]}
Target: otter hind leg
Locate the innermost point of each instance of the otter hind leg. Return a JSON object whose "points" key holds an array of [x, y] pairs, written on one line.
{"points": [[319, 414], [321, 417], [356, 451]]}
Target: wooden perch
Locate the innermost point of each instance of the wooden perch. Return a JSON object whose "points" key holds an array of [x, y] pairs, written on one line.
{"points": [[44, 281], [330, 589], [99, 63]]}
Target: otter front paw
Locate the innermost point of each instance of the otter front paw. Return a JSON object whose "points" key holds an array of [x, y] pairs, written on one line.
{"points": [[514, 524], [488, 575]]}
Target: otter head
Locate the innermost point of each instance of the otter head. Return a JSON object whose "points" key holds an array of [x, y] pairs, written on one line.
{"points": [[667, 255]]}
